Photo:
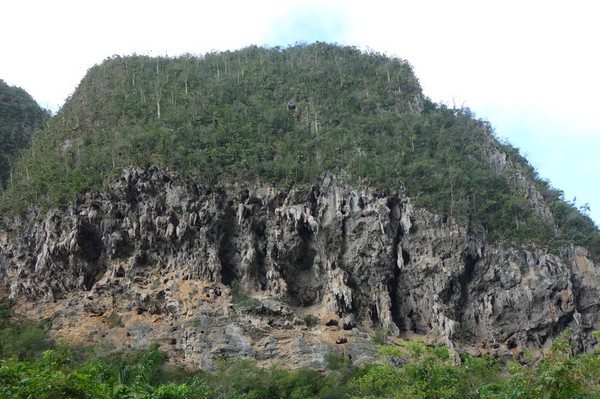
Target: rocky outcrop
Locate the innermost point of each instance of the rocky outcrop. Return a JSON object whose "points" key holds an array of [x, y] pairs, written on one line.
{"points": [[283, 275]]}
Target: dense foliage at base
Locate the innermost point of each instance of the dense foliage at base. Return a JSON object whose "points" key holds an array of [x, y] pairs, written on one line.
{"points": [[286, 116], [20, 118], [406, 369]]}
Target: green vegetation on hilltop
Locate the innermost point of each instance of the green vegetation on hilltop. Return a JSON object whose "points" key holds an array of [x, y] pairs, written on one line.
{"points": [[20, 118], [285, 116]]}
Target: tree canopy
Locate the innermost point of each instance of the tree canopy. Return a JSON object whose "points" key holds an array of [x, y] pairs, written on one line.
{"points": [[20, 118]]}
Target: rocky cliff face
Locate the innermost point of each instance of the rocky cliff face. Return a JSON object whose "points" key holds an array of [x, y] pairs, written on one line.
{"points": [[232, 271]]}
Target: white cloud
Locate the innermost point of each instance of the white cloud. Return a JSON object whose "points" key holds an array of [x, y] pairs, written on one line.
{"points": [[48, 46]]}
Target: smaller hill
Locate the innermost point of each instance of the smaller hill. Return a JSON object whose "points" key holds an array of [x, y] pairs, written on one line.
{"points": [[20, 119]]}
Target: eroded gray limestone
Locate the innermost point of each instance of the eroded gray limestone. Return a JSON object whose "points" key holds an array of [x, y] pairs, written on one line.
{"points": [[162, 253]]}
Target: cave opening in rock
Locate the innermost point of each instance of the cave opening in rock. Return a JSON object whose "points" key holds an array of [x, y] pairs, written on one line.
{"points": [[405, 257], [228, 253], [394, 281], [304, 286], [374, 315], [393, 284], [465, 279], [90, 243], [228, 274]]}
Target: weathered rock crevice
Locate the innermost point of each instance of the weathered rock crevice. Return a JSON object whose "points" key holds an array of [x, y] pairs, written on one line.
{"points": [[165, 252]]}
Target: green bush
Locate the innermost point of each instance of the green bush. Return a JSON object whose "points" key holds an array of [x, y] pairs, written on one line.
{"points": [[240, 298], [409, 369], [311, 320], [337, 361], [559, 374], [115, 320], [19, 337], [380, 336]]}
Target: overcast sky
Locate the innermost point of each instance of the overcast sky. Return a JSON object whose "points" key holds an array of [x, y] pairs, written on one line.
{"points": [[531, 68]]}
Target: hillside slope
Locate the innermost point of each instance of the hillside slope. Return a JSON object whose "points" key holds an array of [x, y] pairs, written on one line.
{"points": [[283, 204], [20, 118], [284, 117]]}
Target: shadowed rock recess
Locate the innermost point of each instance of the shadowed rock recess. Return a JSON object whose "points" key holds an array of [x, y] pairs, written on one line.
{"points": [[236, 271]]}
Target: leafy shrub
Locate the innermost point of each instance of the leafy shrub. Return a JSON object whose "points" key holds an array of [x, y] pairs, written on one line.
{"points": [[19, 337], [239, 298], [559, 374], [336, 360], [311, 320], [409, 369], [115, 320], [380, 336]]}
